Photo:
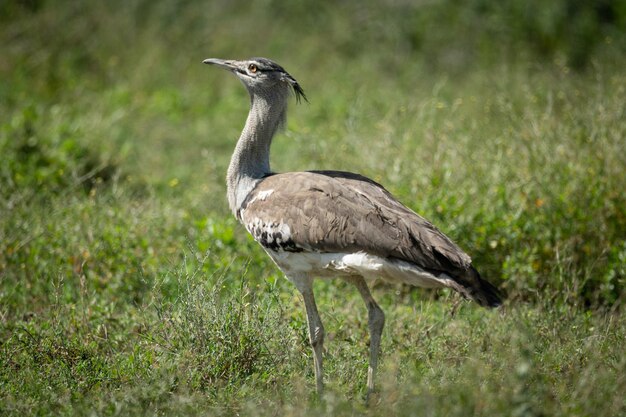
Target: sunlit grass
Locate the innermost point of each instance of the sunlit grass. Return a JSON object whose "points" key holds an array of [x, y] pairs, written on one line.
{"points": [[127, 287]]}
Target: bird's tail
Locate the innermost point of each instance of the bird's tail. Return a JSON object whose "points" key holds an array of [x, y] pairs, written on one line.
{"points": [[474, 287]]}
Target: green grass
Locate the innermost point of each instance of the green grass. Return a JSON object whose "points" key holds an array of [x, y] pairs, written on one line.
{"points": [[127, 288]]}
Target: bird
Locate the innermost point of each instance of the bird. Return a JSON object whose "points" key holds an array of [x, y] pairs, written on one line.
{"points": [[332, 224]]}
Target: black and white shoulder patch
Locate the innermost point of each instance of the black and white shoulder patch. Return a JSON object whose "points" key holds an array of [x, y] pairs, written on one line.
{"points": [[273, 236]]}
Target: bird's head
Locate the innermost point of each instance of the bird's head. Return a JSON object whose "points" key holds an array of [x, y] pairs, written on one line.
{"points": [[261, 76]]}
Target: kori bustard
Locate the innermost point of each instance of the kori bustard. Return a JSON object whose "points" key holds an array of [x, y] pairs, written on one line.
{"points": [[327, 224]]}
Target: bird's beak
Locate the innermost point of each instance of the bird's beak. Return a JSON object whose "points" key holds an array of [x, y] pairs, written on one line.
{"points": [[222, 63]]}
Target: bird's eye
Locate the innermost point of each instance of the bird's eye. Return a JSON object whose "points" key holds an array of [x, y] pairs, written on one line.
{"points": [[252, 68]]}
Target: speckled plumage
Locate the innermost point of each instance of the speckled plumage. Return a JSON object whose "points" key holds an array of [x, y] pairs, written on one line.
{"points": [[331, 211]]}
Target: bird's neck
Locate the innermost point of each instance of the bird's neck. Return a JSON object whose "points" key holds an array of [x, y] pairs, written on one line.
{"points": [[251, 159]]}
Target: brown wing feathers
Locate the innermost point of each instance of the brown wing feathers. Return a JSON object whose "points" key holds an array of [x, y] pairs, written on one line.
{"points": [[331, 213]]}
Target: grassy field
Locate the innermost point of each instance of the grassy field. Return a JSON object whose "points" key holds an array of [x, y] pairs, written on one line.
{"points": [[127, 288]]}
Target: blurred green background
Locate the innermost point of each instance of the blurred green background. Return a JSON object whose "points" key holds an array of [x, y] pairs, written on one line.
{"points": [[126, 286]]}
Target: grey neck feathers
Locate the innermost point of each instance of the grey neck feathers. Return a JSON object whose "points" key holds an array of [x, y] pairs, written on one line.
{"points": [[251, 159]]}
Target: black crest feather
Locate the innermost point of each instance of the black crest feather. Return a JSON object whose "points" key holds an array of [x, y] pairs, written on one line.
{"points": [[269, 65]]}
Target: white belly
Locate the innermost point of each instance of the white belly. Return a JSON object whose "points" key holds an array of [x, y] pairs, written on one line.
{"points": [[370, 267]]}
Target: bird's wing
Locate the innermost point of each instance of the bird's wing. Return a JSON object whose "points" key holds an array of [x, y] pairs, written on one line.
{"points": [[330, 211]]}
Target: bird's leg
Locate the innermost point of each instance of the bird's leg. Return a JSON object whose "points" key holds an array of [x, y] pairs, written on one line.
{"points": [[376, 322], [316, 331]]}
